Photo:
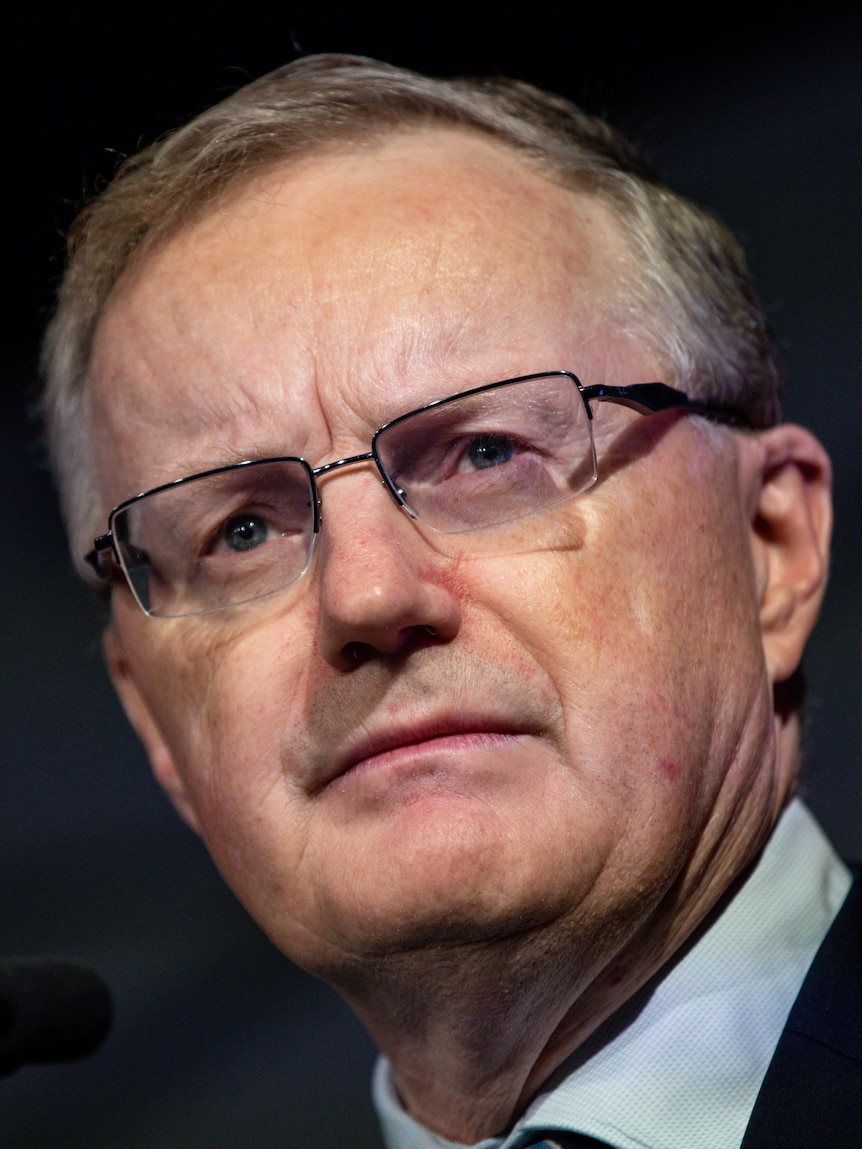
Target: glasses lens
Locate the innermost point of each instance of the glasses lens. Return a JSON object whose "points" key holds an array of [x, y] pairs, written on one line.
{"points": [[493, 455], [218, 539]]}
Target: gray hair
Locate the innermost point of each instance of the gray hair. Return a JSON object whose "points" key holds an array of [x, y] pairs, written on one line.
{"points": [[689, 295]]}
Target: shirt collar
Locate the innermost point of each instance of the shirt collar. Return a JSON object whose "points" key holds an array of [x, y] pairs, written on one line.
{"points": [[682, 1061]]}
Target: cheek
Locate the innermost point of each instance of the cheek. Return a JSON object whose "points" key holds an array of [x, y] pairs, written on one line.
{"points": [[647, 629], [226, 697]]}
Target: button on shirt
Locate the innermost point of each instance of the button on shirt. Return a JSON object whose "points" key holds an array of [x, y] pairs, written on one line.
{"points": [[680, 1064]]}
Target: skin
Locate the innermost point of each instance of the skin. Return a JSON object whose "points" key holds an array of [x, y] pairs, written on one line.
{"points": [[486, 788]]}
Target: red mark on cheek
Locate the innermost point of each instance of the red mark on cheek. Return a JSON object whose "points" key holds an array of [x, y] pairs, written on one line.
{"points": [[668, 767], [616, 974]]}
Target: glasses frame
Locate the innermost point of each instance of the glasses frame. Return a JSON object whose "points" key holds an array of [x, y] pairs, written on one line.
{"points": [[645, 398]]}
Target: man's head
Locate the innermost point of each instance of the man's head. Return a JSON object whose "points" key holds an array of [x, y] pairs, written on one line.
{"points": [[550, 743]]}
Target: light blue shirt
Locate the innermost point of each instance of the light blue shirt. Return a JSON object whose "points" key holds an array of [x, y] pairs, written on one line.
{"points": [[679, 1066]]}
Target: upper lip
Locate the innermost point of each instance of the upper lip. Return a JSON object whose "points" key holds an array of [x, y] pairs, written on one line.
{"points": [[389, 737]]}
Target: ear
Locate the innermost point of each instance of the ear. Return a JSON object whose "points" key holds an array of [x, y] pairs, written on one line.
{"points": [[791, 525], [145, 726]]}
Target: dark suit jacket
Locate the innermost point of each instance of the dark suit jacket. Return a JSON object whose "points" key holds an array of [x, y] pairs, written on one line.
{"points": [[811, 1097]]}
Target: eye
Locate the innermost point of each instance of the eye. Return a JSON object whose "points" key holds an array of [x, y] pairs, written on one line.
{"points": [[490, 451], [245, 532]]}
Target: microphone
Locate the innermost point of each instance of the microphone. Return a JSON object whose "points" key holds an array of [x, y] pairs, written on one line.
{"points": [[50, 1010]]}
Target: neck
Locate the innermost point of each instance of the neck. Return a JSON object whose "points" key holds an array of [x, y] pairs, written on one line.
{"points": [[473, 1032], [468, 1030]]}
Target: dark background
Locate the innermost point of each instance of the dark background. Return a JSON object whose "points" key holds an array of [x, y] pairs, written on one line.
{"points": [[219, 1043]]}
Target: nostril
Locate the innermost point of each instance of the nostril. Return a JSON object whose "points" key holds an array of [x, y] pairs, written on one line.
{"points": [[408, 639], [355, 653]]}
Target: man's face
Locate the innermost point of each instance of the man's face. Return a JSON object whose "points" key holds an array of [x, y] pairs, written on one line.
{"points": [[432, 738]]}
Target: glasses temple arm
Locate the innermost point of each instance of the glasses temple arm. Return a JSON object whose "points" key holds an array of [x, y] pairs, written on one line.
{"points": [[93, 558], [651, 398]]}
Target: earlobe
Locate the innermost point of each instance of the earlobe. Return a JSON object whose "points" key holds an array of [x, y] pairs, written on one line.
{"points": [[791, 525], [145, 726]]}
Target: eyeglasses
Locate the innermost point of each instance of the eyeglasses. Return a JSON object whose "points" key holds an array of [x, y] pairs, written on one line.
{"points": [[469, 462]]}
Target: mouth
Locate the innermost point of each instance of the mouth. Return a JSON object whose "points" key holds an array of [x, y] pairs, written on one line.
{"points": [[405, 743]]}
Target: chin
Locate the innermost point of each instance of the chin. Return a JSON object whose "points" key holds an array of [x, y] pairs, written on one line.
{"points": [[426, 934], [451, 900]]}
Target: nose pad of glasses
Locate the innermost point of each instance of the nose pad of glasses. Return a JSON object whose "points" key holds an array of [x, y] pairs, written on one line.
{"points": [[401, 496], [398, 494]]}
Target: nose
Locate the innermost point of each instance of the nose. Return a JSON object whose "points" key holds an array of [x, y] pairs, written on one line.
{"points": [[384, 589]]}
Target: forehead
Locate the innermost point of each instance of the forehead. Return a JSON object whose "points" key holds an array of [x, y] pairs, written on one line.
{"points": [[366, 281]]}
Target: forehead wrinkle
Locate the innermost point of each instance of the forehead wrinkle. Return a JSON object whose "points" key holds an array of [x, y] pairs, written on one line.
{"points": [[440, 345], [416, 231], [173, 395], [426, 361]]}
